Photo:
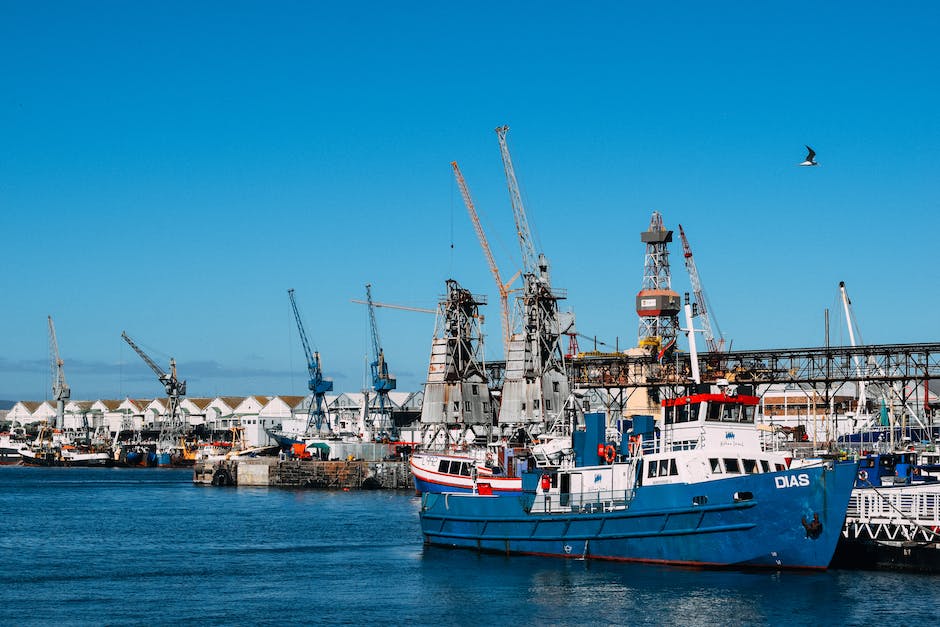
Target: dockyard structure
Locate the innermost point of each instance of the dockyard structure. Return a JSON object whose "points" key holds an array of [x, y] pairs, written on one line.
{"points": [[657, 305], [458, 407], [255, 414], [28, 412]]}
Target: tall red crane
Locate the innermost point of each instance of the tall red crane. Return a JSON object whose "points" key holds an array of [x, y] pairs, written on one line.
{"points": [[715, 345]]}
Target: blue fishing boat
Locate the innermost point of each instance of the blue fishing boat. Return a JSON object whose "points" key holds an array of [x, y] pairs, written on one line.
{"points": [[692, 488]]}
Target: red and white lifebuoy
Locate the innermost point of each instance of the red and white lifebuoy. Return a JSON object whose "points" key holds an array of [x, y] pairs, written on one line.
{"points": [[610, 453], [862, 475]]}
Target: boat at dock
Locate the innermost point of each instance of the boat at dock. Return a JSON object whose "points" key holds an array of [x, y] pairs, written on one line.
{"points": [[11, 443], [450, 472], [699, 491], [893, 516]]}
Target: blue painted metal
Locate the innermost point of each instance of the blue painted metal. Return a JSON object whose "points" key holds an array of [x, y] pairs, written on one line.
{"points": [[316, 384], [767, 527]]}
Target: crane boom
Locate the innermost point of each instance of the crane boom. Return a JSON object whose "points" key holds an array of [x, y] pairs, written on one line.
{"points": [[502, 288], [174, 387], [60, 389], [714, 344], [382, 381], [529, 257], [316, 384], [170, 430], [390, 306]]}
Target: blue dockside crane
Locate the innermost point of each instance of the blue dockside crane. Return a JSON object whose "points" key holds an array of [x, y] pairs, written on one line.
{"points": [[382, 381], [317, 385]]}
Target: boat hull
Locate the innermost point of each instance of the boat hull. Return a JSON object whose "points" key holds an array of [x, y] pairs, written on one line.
{"points": [[661, 524], [425, 469]]}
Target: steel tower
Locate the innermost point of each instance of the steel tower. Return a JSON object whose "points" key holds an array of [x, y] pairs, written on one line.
{"points": [[657, 304]]}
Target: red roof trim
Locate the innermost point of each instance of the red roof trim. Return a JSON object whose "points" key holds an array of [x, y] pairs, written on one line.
{"points": [[741, 399]]}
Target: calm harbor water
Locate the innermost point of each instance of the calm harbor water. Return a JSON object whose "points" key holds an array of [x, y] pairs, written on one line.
{"points": [[139, 546]]}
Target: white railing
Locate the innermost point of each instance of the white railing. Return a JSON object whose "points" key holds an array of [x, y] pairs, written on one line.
{"points": [[895, 505]]}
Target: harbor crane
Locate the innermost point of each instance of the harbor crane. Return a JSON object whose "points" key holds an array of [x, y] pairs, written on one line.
{"points": [[382, 381], [530, 261], [715, 344], [391, 306], [317, 385], [175, 390], [60, 389], [536, 388], [501, 287]]}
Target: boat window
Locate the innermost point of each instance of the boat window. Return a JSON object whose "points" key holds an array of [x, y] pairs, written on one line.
{"points": [[456, 405], [750, 466], [455, 468], [780, 467], [554, 386], [474, 389], [682, 413], [466, 405], [764, 466], [747, 413], [699, 500], [548, 404], [672, 467], [714, 412], [443, 466], [664, 467], [731, 465], [465, 469], [486, 407], [535, 404], [730, 412], [743, 496], [716, 467], [651, 468]]}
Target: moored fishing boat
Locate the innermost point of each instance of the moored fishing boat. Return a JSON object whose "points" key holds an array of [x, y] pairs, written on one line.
{"points": [[699, 490], [450, 472]]}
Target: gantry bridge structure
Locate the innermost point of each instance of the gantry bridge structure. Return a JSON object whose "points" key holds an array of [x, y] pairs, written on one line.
{"points": [[831, 366]]}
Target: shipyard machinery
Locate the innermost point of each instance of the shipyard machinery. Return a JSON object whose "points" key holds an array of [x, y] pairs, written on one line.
{"points": [[317, 385], [172, 428], [535, 386], [501, 287], [382, 381], [657, 304], [60, 389], [715, 344], [457, 406]]}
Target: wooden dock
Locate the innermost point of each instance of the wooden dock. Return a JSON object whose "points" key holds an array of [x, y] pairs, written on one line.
{"points": [[315, 474]]}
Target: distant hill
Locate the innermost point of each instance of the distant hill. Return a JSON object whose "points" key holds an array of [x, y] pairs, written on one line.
{"points": [[7, 405]]}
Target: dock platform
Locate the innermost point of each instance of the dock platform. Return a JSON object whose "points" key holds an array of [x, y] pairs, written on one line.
{"points": [[297, 473]]}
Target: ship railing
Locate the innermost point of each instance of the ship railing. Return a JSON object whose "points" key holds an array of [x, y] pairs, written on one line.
{"points": [[895, 505], [579, 502]]}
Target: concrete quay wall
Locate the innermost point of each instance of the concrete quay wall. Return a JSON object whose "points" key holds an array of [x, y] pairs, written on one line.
{"points": [[296, 473]]}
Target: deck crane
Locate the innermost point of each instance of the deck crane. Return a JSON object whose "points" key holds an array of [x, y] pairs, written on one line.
{"points": [[715, 345], [501, 287], [60, 389], [175, 390], [317, 385], [382, 381]]}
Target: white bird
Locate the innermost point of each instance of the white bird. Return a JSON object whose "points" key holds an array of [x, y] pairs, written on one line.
{"points": [[809, 157]]}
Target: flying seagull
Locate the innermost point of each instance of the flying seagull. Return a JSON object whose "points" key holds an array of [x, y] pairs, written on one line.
{"points": [[810, 157]]}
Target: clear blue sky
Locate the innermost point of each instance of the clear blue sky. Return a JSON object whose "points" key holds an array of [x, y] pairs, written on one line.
{"points": [[172, 168]]}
